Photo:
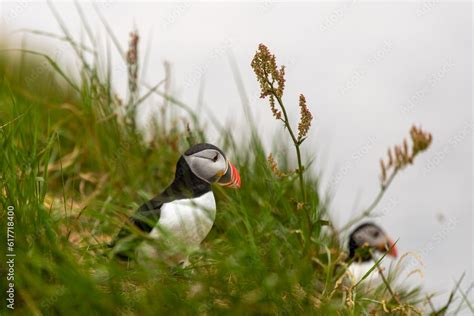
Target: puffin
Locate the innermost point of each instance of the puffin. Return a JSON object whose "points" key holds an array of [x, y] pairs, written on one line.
{"points": [[366, 242], [369, 237], [181, 215]]}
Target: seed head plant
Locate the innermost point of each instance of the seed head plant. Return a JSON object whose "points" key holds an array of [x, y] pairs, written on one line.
{"points": [[272, 85], [274, 167], [398, 158], [132, 67]]}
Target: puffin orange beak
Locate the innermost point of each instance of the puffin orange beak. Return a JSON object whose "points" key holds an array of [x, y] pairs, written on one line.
{"points": [[390, 247], [231, 178]]}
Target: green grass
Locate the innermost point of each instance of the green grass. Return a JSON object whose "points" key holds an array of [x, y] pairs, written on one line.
{"points": [[70, 168]]}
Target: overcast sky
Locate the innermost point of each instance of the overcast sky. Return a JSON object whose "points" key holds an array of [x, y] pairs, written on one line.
{"points": [[368, 71]]}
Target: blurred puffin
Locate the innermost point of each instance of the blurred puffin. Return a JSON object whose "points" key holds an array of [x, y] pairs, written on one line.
{"points": [[366, 238], [185, 211], [365, 242]]}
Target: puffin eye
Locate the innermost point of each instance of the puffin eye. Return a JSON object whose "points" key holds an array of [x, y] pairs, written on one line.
{"points": [[215, 158], [375, 234]]}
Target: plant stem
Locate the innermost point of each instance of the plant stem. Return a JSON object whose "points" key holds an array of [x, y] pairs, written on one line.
{"points": [[293, 138], [389, 288], [368, 211], [297, 144]]}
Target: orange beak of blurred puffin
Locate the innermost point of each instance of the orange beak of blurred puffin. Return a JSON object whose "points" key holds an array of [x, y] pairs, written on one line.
{"points": [[229, 178], [390, 247]]}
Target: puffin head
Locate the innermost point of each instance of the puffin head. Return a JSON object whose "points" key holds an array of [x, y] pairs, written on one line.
{"points": [[370, 236], [209, 163]]}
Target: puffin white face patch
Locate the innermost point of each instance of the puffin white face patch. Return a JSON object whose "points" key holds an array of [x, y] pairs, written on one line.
{"points": [[209, 164], [370, 235]]}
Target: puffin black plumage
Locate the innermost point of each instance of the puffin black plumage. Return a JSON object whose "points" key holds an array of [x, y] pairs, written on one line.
{"points": [[372, 237], [185, 210]]}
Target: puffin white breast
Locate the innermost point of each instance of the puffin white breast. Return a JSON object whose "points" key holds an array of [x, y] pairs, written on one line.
{"points": [[187, 220]]}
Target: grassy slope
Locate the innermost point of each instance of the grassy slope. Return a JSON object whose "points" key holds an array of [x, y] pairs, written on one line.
{"points": [[70, 169]]}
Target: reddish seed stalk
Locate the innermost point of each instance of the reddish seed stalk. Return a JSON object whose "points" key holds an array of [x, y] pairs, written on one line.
{"points": [[264, 65]]}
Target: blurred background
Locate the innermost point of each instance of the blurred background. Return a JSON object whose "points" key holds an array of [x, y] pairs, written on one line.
{"points": [[369, 71]]}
